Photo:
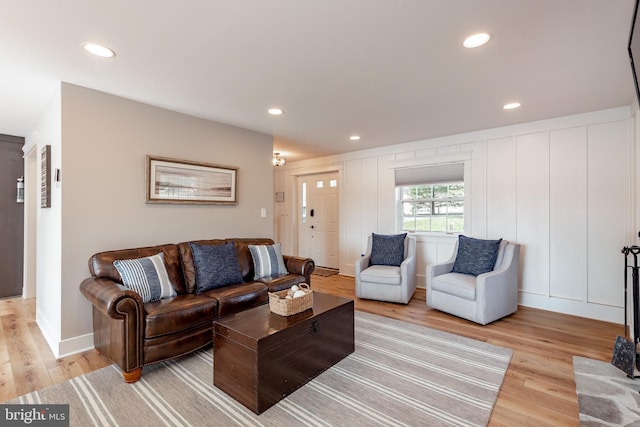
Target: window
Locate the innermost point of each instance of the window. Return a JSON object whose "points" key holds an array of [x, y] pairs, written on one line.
{"points": [[433, 207], [304, 202]]}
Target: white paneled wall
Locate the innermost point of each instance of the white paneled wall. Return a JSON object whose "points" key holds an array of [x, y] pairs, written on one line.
{"points": [[501, 188], [386, 195], [369, 198], [608, 209], [568, 213], [476, 190], [351, 215], [532, 211], [562, 188]]}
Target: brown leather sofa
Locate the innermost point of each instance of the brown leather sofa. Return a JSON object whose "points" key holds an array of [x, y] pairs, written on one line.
{"points": [[133, 334]]}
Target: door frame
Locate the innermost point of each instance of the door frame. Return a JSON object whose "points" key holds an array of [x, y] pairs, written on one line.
{"points": [[30, 268], [292, 189], [298, 184]]}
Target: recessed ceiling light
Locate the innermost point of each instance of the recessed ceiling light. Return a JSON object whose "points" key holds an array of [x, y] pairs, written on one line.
{"points": [[511, 106], [476, 40], [354, 137], [276, 111], [99, 50]]}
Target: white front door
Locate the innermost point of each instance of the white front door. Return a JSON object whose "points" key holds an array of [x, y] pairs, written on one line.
{"points": [[318, 233]]}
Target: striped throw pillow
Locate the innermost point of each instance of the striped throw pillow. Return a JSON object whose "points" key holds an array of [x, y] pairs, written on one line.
{"points": [[146, 276], [267, 261]]}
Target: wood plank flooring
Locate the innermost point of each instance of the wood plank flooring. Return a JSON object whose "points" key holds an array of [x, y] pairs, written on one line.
{"points": [[538, 389]]}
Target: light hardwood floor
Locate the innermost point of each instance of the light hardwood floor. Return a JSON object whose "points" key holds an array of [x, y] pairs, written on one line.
{"points": [[538, 389]]}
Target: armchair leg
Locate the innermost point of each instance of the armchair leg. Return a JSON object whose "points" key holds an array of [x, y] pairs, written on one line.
{"points": [[133, 376]]}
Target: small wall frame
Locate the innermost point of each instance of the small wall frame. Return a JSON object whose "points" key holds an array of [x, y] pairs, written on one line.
{"points": [[45, 177]]}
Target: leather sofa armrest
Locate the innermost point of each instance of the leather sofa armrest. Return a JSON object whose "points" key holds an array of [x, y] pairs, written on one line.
{"points": [[301, 266], [107, 296], [118, 324]]}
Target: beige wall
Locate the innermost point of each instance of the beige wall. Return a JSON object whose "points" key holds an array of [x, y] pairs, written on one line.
{"points": [[105, 140]]}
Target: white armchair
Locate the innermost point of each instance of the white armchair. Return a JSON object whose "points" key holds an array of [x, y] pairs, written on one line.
{"points": [[483, 298], [385, 282]]}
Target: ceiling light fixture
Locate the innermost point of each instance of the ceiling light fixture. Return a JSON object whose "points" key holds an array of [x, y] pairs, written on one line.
{"points": [[276, 111], [476, 40], [511, 106], [354, 137], [99, 50], [279, 161]]}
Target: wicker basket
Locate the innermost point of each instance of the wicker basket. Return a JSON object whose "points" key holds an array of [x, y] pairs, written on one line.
{"points": [[279, 304]]}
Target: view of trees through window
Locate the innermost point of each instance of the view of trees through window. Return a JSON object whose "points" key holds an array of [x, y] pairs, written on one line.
{"points": [[433, 207]]}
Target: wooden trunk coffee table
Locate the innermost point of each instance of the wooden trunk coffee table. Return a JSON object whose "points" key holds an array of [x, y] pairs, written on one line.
{"points": [[261, 357]]}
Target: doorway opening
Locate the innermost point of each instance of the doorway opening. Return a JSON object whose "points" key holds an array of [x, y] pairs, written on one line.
{"points": [[318, 218], [12, 214]]}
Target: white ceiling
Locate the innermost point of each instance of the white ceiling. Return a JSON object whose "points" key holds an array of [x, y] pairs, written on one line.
{"points": [[391, 71]]}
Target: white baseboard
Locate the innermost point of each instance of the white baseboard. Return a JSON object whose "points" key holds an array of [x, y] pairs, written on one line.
{"points": [[64, 348], [605, 313], [49, 334], [76, 345]]}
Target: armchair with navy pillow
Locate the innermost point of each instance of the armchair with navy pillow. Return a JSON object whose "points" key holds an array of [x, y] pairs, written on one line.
{"points": [[387, 271], [479, 282]]}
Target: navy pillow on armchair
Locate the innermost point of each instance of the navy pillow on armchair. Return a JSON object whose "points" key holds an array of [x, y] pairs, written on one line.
{"points": [[475, 256], [387, 250]]}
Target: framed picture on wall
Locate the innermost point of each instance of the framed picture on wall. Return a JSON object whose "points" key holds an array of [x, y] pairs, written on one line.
{"points": [[184, 181], [45, 177]]}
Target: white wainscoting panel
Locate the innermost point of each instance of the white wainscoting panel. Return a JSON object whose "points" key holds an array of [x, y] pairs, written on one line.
{"points": [[568, 213], [609, 208], [351, 227], [432, 249], [532, 211], [386, 195], [501, 188], [477, 215], [369, 198]]}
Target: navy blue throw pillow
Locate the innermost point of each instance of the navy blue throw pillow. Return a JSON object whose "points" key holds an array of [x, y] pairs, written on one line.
{"points": [[387, 250], [216, 266], [475, 256]]}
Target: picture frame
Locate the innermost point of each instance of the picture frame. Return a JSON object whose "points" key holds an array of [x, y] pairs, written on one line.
{"points": [[189, 182], [45, 176]]}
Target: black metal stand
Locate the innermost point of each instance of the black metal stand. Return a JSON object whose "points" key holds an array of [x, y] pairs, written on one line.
{"points": [[625, 352]]}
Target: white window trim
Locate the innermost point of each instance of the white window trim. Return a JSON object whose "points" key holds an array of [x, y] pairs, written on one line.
{"points": [[460, 157]]}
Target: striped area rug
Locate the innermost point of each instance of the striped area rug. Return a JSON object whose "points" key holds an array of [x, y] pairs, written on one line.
{"points": [[400, 375]]}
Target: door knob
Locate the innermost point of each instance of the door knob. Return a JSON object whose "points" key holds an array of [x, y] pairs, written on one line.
{"points": [[313, 226]]}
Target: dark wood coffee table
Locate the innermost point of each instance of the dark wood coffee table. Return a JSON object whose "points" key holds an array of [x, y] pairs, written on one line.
{"points": [[261, 357]]}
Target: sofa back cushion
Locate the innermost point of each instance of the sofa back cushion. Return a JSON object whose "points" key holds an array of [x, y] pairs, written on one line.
{"points": [[101, 264], [245, 261], [188, 264]]}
